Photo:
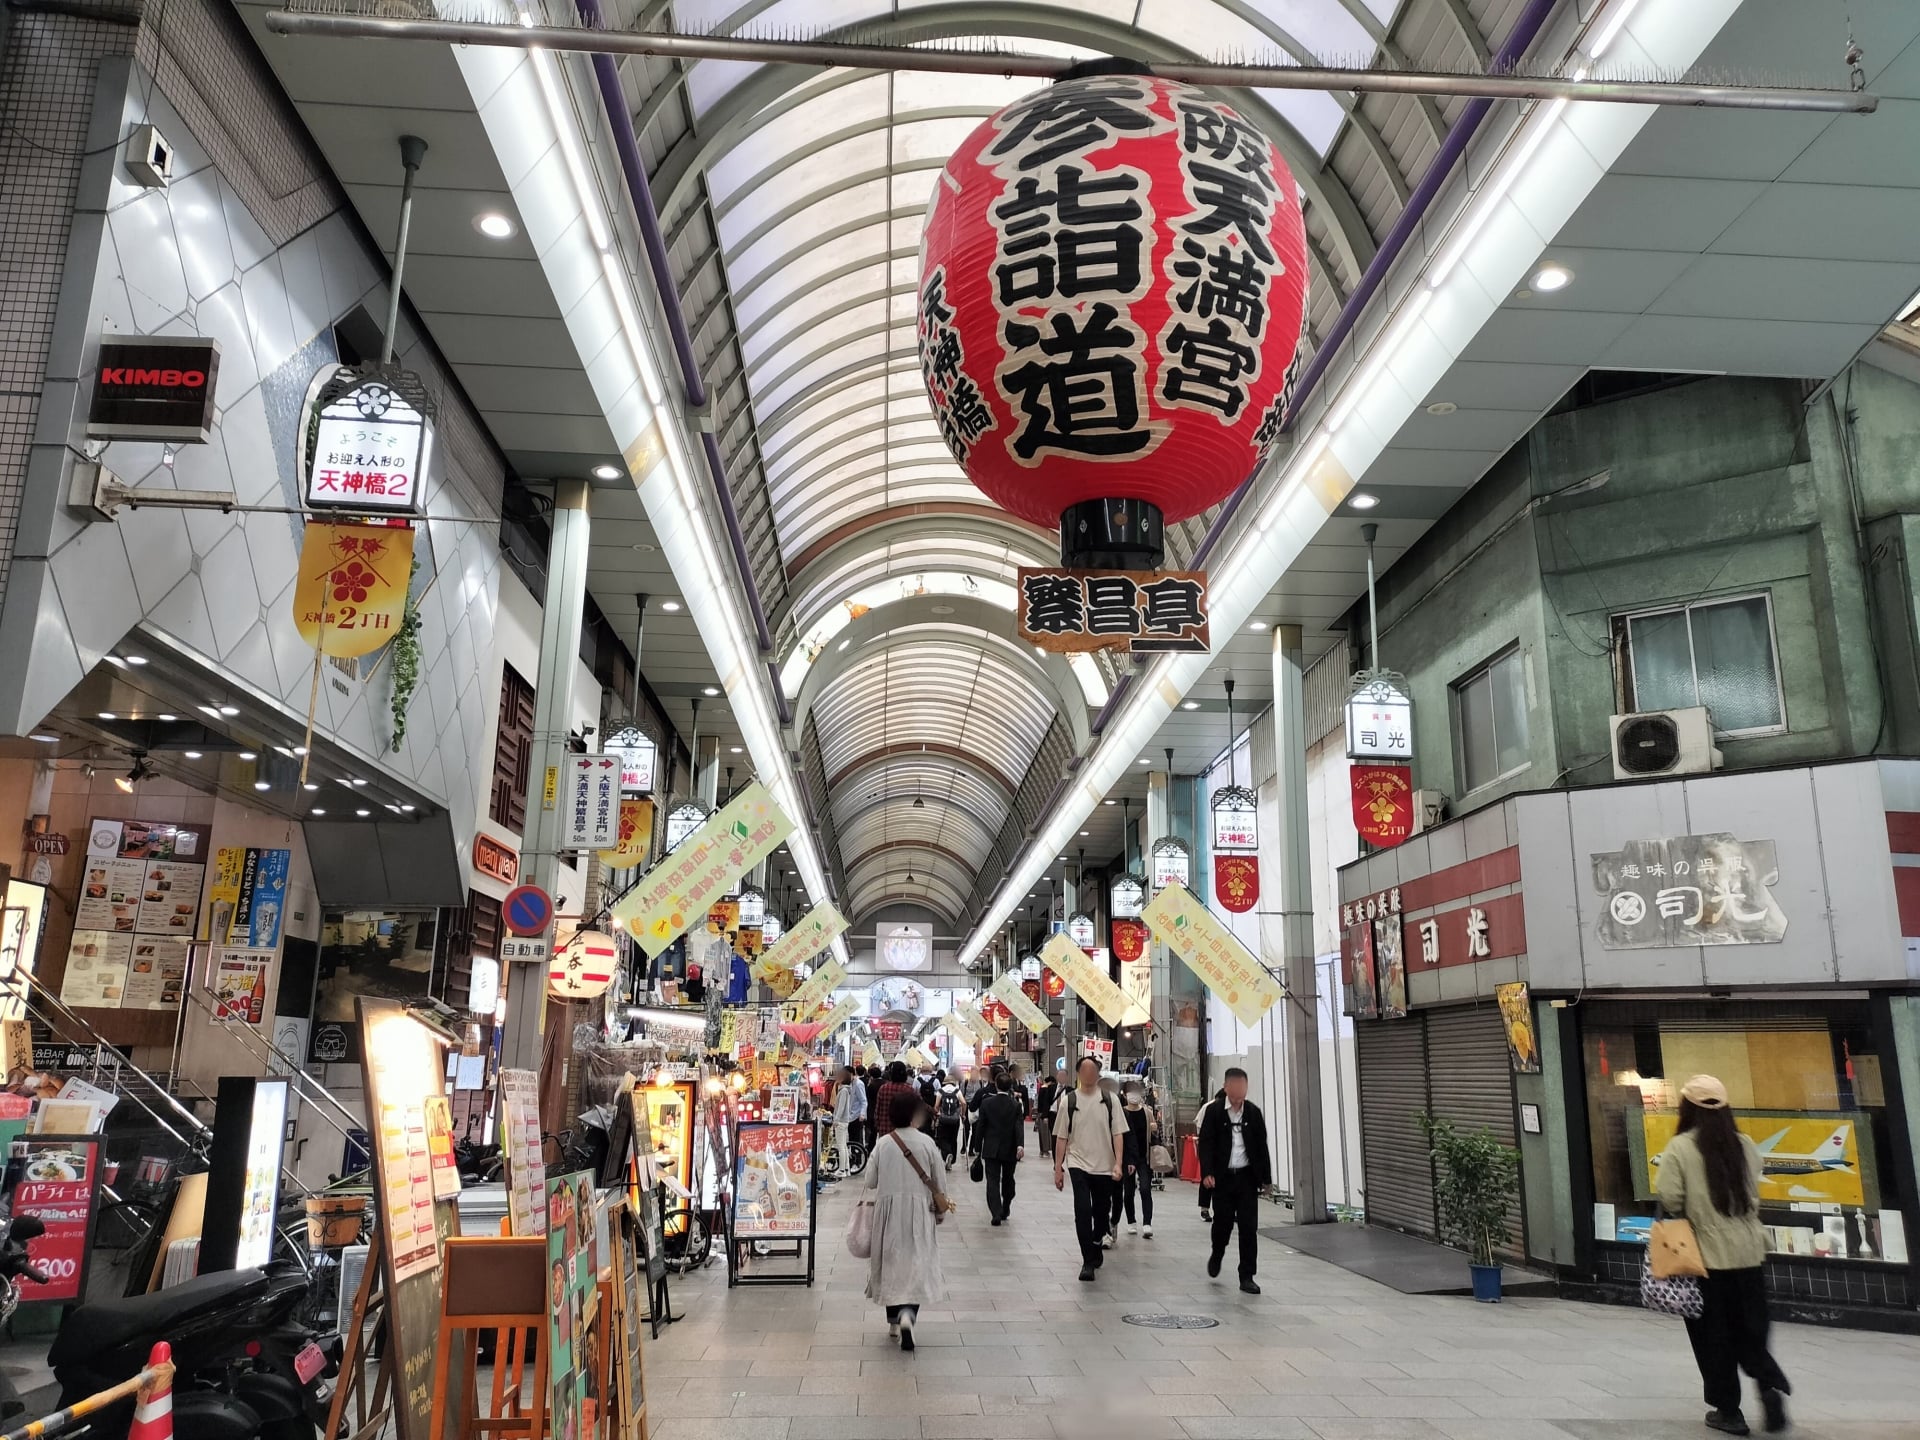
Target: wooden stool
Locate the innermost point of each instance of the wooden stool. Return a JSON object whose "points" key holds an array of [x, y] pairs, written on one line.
{"points": [[495, 1283]]}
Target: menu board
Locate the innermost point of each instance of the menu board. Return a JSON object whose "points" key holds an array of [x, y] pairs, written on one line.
{"points": [[139, 905], [58, 1185], [773, 1181], [526, 1169]]}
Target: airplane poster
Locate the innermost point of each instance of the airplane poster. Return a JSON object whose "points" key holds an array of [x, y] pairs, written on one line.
{"points": [[1807, 1159]]}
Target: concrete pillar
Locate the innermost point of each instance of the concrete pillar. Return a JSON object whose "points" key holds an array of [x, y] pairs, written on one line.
{"points": [[560, 619], [1159, 821], [1294, 883]]}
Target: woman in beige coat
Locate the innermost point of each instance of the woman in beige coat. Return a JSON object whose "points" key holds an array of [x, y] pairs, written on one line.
{"points": [[903, 1268], [1710, 1173]]}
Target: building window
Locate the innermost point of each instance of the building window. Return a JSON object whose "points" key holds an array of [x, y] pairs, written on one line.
{"points": [[1490, 721], [1718, 653]]}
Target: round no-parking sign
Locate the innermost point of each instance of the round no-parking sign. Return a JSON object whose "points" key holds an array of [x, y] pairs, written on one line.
{"points": [[528, 910]]}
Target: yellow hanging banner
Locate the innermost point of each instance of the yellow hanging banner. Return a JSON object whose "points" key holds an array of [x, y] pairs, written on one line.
{"points": [[1213, 952], [1008, 991], [351, 591], [677, 893], [822, 983], [810, 935], [1086, 979], [636, 835]]}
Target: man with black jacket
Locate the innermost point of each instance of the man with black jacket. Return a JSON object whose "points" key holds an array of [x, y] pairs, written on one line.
{"points": [[1000, 1130], [1234, 1167]]}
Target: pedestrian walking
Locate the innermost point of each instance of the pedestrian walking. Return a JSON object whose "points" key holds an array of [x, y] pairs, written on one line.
{"points": [[1001, 1130], [903, 1268], [1089, 1133], [1199, 1122], [947, 1113], [871, 1083], [972, 1088], [897, 1083], [1710, 1173], [1235, 1165], [849, 1111], [1136, 1179], [1046, 1095]]}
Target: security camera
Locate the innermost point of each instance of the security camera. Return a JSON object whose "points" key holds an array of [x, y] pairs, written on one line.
{"points": [[149, 157]]}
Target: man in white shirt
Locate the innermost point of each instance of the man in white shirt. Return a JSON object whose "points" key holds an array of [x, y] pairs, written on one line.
{"points": [[1089, 1136], [849, 1108], [1234, 1167]]}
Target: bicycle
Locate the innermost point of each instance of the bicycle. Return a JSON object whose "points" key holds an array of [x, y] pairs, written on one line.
{"points": [[831, 1167], [689, 1240]]}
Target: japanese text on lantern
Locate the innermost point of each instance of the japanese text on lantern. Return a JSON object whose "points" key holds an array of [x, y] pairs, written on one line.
{"points": [[957, 406], [1069, 263], [1222, 268]]}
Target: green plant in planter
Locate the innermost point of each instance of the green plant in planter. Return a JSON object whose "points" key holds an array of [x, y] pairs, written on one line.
{"points": [[404, 667], [1475, 1181]]}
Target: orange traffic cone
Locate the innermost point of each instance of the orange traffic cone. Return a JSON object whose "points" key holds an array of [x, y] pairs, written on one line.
{"points": [[153, 1409]]}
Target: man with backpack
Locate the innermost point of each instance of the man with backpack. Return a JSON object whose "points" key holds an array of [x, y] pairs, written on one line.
{"points": [[947, 1110], [1089, 1137]]}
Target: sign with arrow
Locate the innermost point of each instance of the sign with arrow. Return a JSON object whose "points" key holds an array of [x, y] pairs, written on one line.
{"points": [[590, 818]]}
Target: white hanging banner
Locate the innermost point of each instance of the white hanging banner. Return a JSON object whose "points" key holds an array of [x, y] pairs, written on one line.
{"points": [[1008, 992]]}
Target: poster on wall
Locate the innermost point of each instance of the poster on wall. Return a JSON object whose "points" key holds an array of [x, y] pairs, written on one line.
{"points": [[572, 1271], [157, 972], [773, 1181], [246, 897], [140, 883], [1363, 1000], [239, 985], [382, 954], [1807, 1159], [1390, 965], [1516, 1017]]}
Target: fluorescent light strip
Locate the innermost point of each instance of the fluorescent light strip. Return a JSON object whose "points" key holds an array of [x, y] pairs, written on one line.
{"points": [[617, 281], [1482, 204], [1375, 364], [1617, 16], [564, 133]]}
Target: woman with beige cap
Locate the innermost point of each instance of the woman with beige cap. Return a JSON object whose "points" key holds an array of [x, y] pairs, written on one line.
{"points": [[1710, 1173]]}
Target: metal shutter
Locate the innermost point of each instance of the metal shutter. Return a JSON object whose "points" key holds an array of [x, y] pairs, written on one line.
{"points": [[1471, 1080], [1398, 1186]]}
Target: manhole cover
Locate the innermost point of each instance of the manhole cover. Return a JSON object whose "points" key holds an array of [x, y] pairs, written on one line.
{"points": [[1172, 1322]]}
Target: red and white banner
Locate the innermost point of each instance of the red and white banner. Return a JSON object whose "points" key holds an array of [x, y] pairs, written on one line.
{"points": [[1129, 940], [1236, 882], [1383, 803]]}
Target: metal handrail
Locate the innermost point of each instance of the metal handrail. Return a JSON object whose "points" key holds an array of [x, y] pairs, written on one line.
{"points": [[208, 1000]]}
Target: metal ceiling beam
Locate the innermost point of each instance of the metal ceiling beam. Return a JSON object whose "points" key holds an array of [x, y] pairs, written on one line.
{"points": [[907, 748], [961, 516]]}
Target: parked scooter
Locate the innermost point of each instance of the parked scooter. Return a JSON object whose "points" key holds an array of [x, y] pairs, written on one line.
{"points": [[244, 1370]]}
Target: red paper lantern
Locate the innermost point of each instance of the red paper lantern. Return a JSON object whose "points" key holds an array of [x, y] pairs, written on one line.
{"points": [[1055, 985], [1112, 281], [1129, 940]]}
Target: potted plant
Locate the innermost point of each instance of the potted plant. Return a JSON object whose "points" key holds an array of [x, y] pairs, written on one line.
{"points": [[1475, 1179]]}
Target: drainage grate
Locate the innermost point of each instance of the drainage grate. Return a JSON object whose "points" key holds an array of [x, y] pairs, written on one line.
{"points": [[1172, 1322]]}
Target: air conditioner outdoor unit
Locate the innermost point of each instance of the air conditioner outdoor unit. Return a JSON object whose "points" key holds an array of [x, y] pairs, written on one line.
{"points": [[1664, 742], [1429, 809]]}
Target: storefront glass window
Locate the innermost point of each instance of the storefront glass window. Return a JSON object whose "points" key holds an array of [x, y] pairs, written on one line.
{"points": [[1806, 1080]]}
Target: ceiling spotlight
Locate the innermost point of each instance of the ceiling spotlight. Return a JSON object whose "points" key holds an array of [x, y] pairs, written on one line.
{"points": [[134, 659], [494, 225], [1189, 704], [141, 771], [1144, 760], [733, 749], [1551, 277], [261, 785], [310, 785], [1442, 407], [1361, 500], [316, 811], [606, 472], [672, 607], [191, 754], [108, 715], [248, 755], [1109, 802], [919, 803], [363, 813], [358, 781], [1256, 624], [229, 709], [709, 690], [299, 749], [167, 719], [407, 808], [1085, 833], [46, 739]]}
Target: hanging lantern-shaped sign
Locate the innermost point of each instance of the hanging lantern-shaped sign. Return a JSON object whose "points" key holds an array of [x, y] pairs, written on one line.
{"points": [[1080, 930], [1128, 897], [683, 820], [1112, 279], [771, 927], [1129, 940], [1030, 968], [1236, 819], [639, 758], [753, 906], [584, 968], [1172, 862], [1053, 984]]}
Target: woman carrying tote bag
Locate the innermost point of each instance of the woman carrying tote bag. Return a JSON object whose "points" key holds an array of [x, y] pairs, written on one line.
{"points": [[1710, 1173], [903, 1264]]}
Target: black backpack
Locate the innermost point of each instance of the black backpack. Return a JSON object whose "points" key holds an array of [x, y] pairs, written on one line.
{"points": [[949, 1105]]}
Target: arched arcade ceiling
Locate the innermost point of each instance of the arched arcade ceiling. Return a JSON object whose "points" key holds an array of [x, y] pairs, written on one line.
{"points": [[793, 200]]}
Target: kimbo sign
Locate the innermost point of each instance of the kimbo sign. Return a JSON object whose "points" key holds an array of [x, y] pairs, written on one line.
{"points": [[154, 387]]}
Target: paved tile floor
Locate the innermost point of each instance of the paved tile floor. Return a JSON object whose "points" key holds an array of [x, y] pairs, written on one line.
{"points": [[1022, 1349]]}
